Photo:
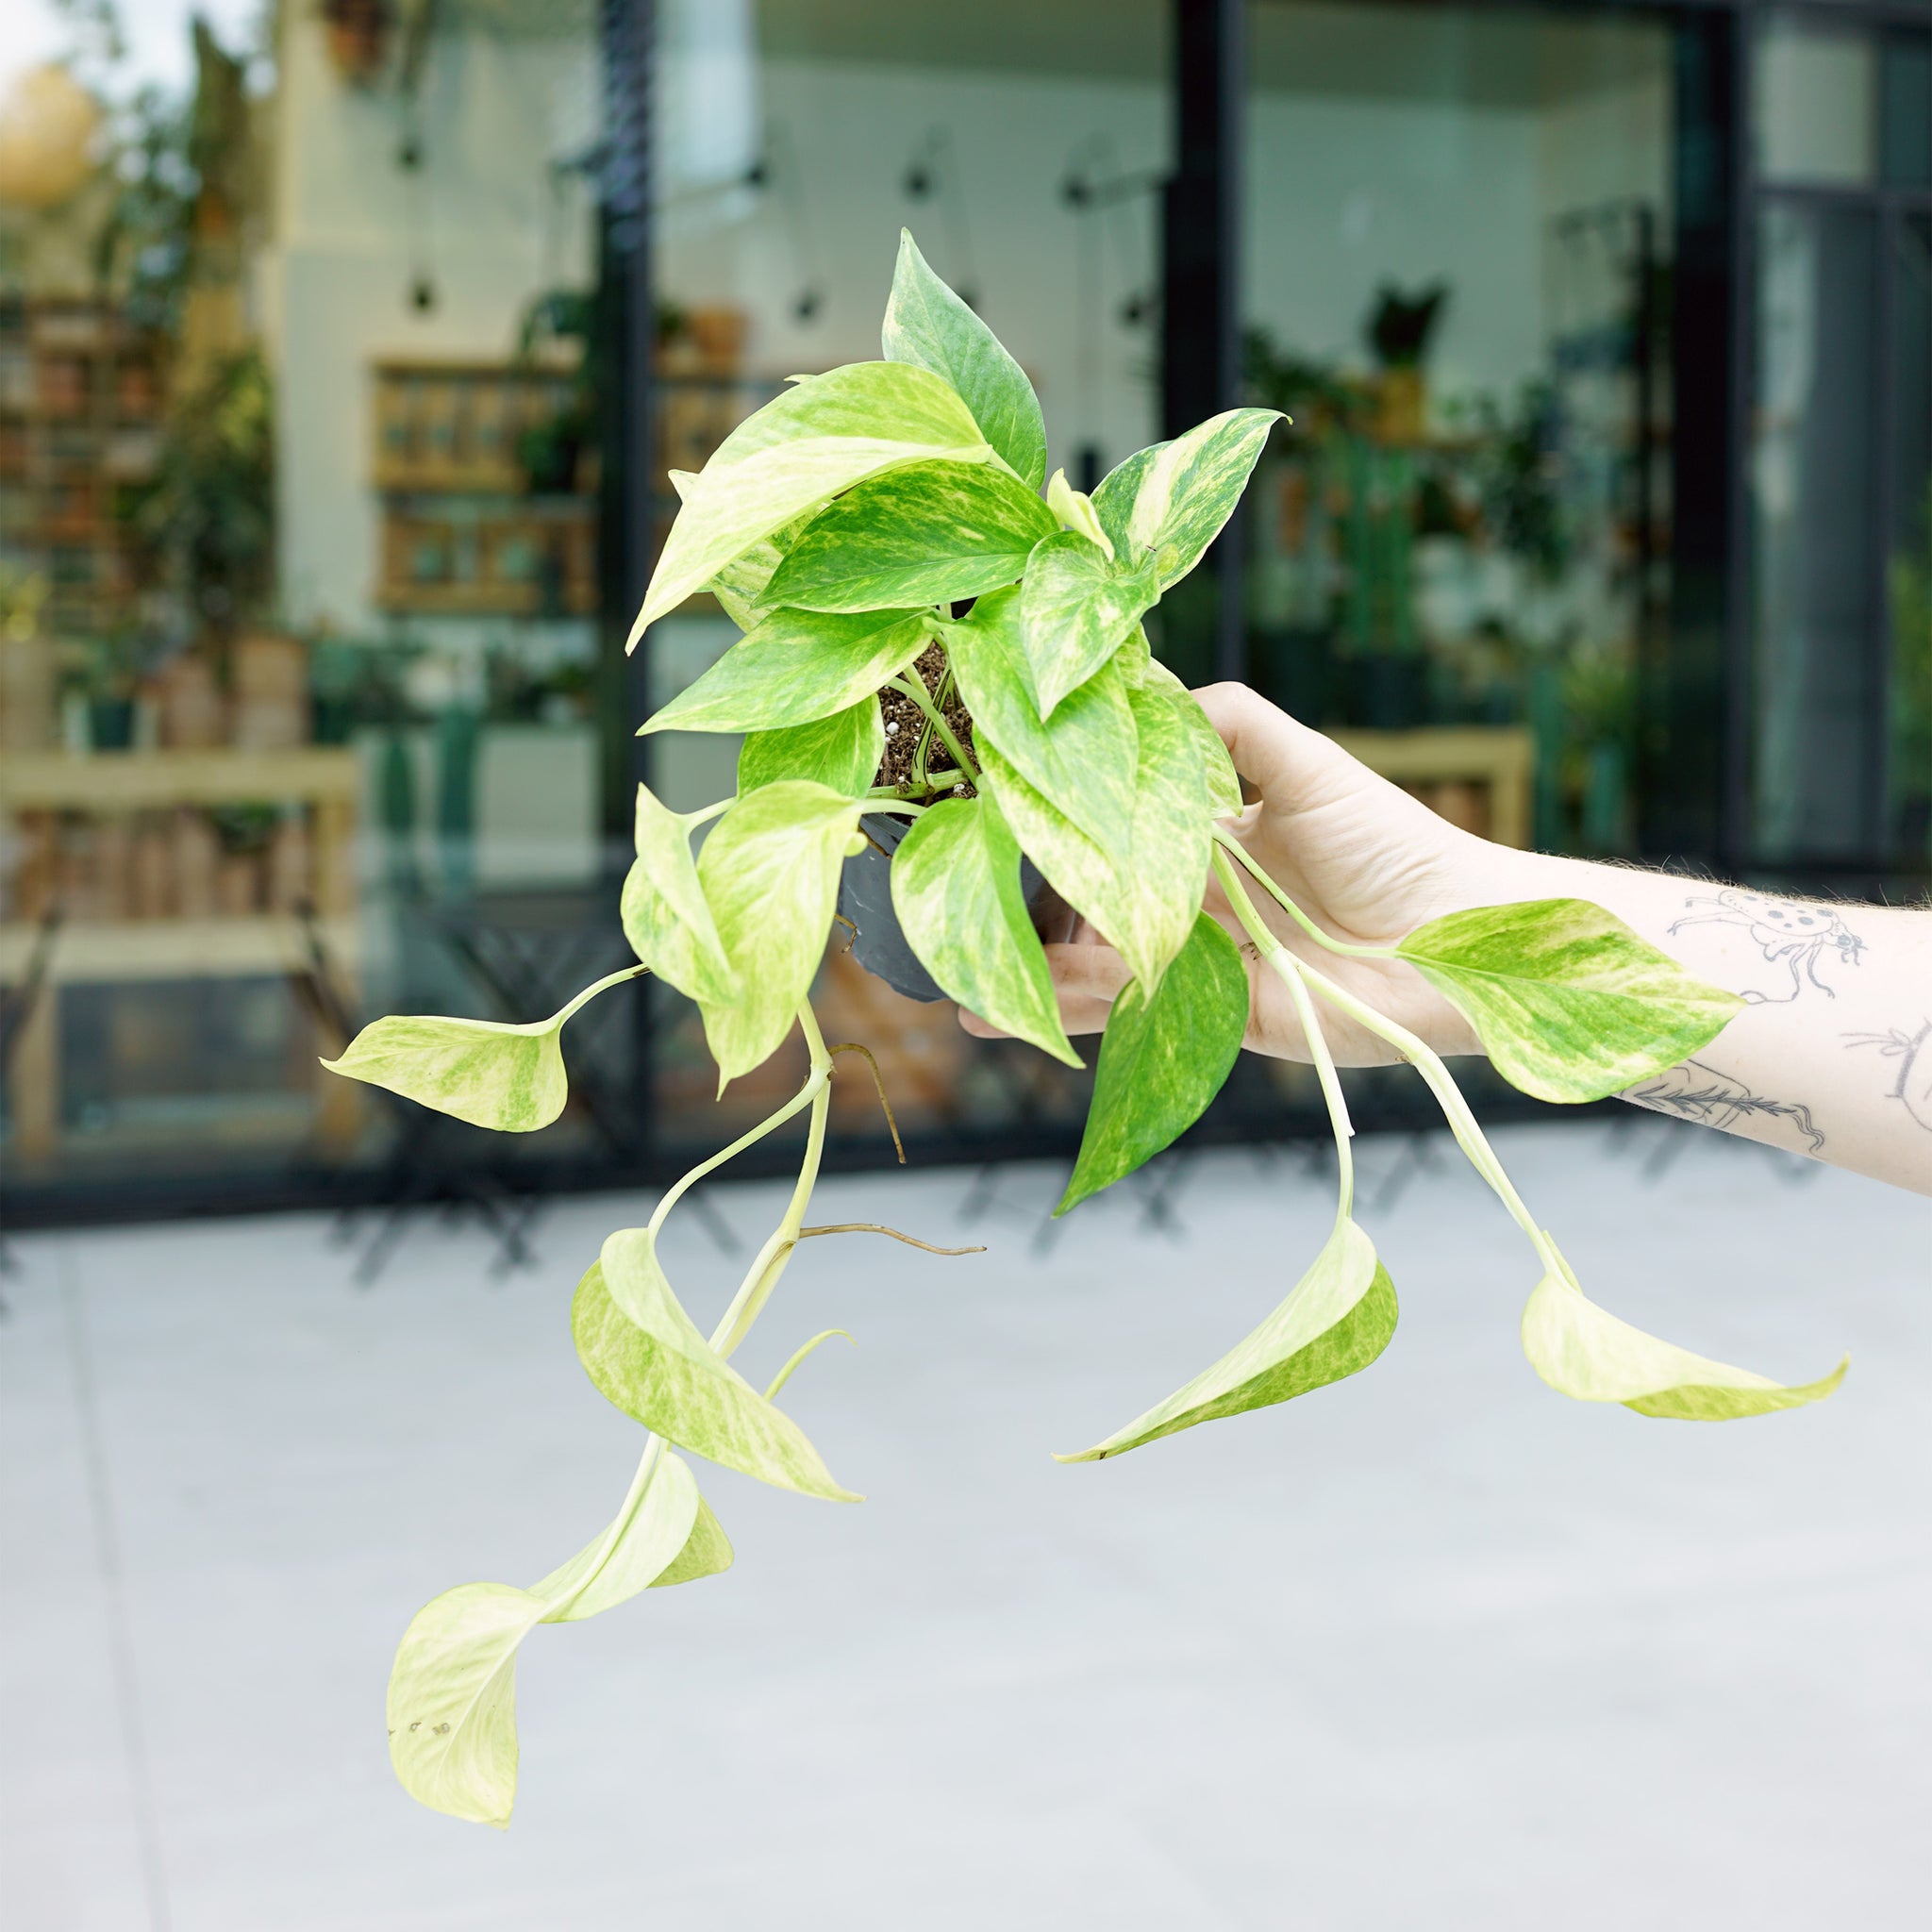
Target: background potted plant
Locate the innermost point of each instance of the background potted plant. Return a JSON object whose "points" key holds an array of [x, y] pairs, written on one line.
{"points": [[881, 536]]}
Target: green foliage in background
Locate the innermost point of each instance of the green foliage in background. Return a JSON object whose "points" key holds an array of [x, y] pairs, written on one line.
{"points": [[845, 528]]}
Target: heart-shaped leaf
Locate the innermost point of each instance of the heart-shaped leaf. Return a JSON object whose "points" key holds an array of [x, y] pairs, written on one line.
{"points": [[1077, 609], [1585, 1352], [452, 1701], [927, 324], [919, 535], [1224, 786], [1570, 1004], [1162, 1060], [672, 1538], [1188, 489], [770, 873], [1144, 901], [648, 1358], [452, 1690], [956, 888], [1113, 498], [798, 452], [485, 1072], [741, 586], [797, 667], [841, 752], [1075, 511], [1339, 1318], [665, 913], [1083, 761]]}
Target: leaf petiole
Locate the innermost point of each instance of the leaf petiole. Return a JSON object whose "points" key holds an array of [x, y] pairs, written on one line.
{"points": [[1230, 844], [1289, 970], [761, 1278], [1426, 1060], [914, 688]]}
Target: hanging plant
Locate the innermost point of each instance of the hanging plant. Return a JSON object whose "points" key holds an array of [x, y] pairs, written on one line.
{"points": [[842, 527]]}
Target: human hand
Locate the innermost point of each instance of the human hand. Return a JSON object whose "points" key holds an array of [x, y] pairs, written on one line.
{"points": [[1364, 860]]}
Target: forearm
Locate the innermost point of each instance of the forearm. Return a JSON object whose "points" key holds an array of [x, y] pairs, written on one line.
{"points": [[1832, 1057]]}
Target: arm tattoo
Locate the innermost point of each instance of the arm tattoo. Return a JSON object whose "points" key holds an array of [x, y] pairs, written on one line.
{"points": [[1800, 936], [1913, 1053], [1694, 1091]]}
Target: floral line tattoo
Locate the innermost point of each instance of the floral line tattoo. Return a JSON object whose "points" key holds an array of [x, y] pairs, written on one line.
{"points": [[1696, 1092], [1913, 1052], [1800, 936]]}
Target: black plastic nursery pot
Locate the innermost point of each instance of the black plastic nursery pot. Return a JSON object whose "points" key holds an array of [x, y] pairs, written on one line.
{"points": [[879, 943]]}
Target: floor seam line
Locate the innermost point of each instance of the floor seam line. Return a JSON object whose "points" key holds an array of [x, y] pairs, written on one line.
{"points": [[107, 1553]]}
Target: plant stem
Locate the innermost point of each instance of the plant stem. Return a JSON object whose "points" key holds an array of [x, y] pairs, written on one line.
{"points": [[591, 991], [914, 688], [755, 1290], [1456, 1109], [1230, 844], [627, 1514], [815, 1080], [769, 1262], [1290, 969], [709, 812]]}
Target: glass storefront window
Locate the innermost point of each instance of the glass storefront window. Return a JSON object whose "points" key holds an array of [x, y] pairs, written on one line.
{"points": [[1456, 247], [299, 582], [1023, 146], [1815, 110]]}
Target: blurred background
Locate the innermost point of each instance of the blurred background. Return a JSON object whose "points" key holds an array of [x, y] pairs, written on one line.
{"points": [[344, 347]]}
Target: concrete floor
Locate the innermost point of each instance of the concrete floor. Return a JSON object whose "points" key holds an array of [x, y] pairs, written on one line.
{"points": [[1431, 1648]]}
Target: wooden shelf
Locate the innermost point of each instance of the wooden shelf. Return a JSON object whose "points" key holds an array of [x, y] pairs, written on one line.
{"points": [[1500, 757], [143, 781], [126, 952]]}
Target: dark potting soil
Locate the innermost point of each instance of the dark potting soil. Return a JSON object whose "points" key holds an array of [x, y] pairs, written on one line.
{"points": [[904, 718]]}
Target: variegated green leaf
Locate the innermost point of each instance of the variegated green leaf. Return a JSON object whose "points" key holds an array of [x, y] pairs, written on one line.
{"points": [[770, 871], [1113, 498], [741, 586], [798, 452], [452, 1701], [1077, 609], [1083, 761], [1224, 786], [1074, 508], [956, 888], [1339, 1318], [1191, 488], [1162, 1060], [648, 1358], [922, 534], [1570, 1004], [1146, 900], [843, 751], [672, 1538], [1584, 1352], [927, 324], [683, 942], [796, 667], [485, 1072], [452, 1691]]}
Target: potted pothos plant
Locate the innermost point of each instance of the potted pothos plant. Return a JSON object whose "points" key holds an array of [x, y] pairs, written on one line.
{"points": [[937, 636]]}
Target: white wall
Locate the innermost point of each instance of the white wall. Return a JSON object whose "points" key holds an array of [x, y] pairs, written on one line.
{"points": [[335, 283], [852, 128], [1344, 194], [1345, 191]]}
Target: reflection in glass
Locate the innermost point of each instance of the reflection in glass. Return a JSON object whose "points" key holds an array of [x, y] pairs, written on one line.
{"points": [[1815, 105], [1023, 145], [1910, 564], [1459, 228], [1811, 470]]}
